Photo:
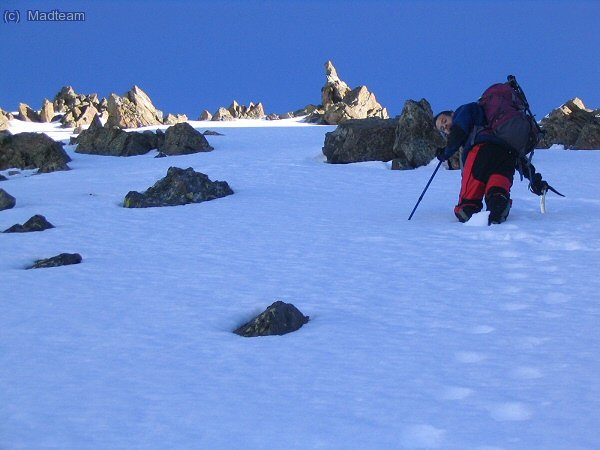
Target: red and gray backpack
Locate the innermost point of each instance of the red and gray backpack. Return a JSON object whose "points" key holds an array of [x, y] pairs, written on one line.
{"points": [[509, 118]]}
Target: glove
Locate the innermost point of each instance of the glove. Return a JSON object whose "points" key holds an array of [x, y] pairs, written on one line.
{"points": [[440, 154], [537, 185]]}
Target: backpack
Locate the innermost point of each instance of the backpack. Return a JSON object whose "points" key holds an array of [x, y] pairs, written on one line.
{"points": [[509, 118]]}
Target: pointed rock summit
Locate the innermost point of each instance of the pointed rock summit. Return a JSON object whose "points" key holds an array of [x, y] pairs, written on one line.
{"points": [[335, 89], [340, 103], [133, 110]]}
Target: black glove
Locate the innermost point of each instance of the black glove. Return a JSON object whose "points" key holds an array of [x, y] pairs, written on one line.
{"points": [[440, 154], [537, 185]]}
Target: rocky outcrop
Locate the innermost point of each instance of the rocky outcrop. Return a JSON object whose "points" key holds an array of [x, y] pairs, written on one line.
{"points": [[205, 115], [237, 111], [340, 103], [408, 142], [78, 110], [278, 319], [133, 110], [359, 103], [361, 140], [222, 114], [99, 140], [26, 114], [173, 119], [35, 223], [183, 139], [47, 112], [5, 117], [7, 201], [179, 187], [64, 259], [32, 150], [80, 117], [416, 136], [572, 125], [335, 90]]}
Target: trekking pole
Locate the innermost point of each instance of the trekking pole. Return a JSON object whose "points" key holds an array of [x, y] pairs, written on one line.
{"points": [[424, 190]]}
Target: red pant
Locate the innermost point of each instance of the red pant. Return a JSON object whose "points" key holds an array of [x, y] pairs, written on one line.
{"points": [[489, 168]]}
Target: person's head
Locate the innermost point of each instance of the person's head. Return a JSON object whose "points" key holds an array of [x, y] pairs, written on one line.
{"points": [[443, 121]]}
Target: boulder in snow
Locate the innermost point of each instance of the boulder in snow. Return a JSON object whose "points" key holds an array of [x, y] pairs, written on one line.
{"points": [[7, 201], [32, 150], [361, 140], [183, 139], [64, 259], [416, 137], [99, 140], [179, 187], [35, 223], [278, 319]]}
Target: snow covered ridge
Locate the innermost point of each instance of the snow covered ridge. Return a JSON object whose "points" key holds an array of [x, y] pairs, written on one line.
{"points": [[423, 334]]}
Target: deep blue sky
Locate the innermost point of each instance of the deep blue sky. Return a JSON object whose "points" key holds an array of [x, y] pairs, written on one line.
{"points": [[195, 55]]}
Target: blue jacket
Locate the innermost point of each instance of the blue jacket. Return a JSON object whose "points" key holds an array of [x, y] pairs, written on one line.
{"points": [[468, 129]]}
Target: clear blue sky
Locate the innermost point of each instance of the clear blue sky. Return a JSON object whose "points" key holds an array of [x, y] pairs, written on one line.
{"points": [[195, 55]]}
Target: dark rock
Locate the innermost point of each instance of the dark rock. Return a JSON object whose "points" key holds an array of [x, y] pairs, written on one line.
{"points": [[36, 223], [572, 125], [99, 140], [7, 201], [32, 150], [183, 139], [179, 187], [212, 133], [278, 319], [361, 140], [64, 259], [416, 136], [3, 178], [161, 155]]}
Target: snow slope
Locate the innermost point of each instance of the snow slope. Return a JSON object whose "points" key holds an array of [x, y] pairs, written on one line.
{"points": [[423, 334]]}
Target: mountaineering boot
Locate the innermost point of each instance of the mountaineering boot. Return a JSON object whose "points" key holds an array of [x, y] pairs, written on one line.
{"points": [[466, 209], [498, 204]]}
